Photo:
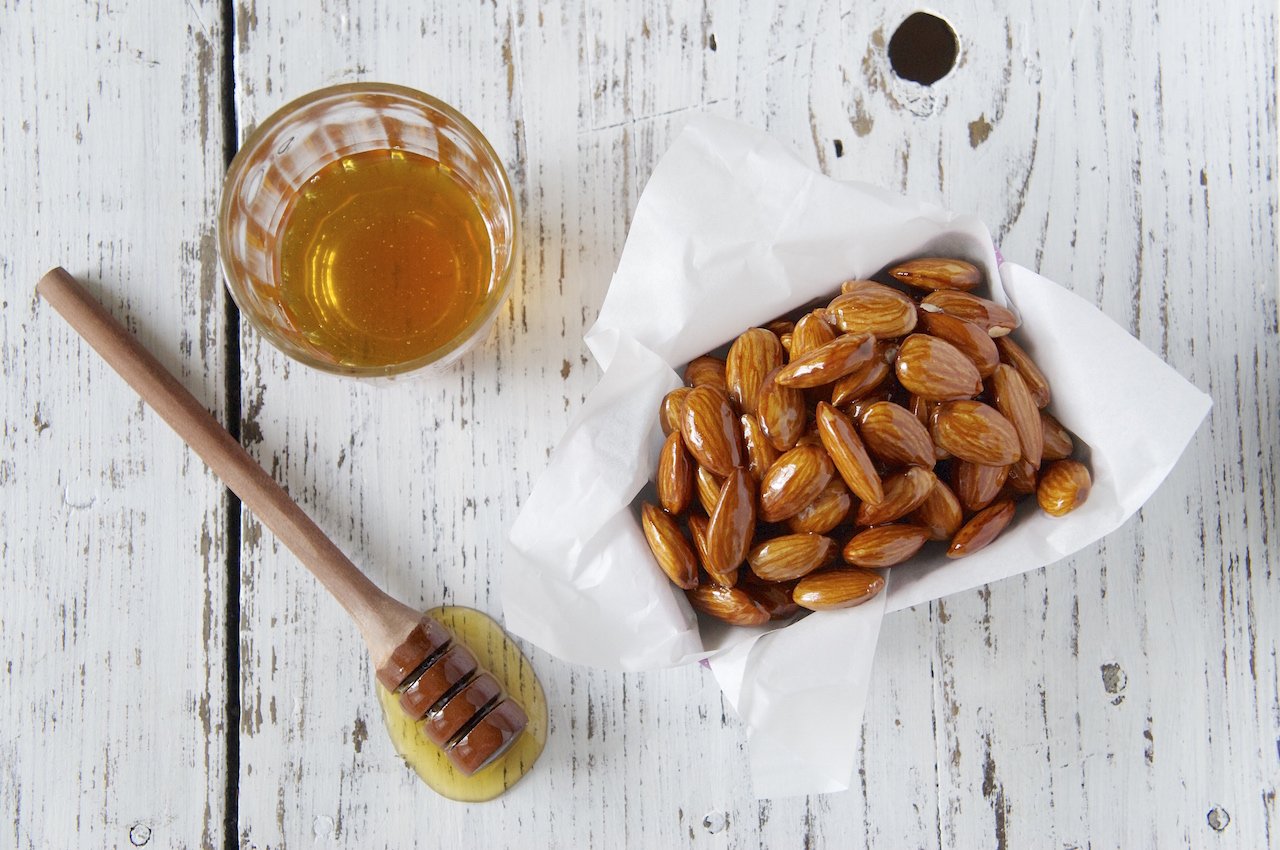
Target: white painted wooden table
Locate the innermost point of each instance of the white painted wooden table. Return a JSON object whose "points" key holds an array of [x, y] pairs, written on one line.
{"points": [[172, 679]]}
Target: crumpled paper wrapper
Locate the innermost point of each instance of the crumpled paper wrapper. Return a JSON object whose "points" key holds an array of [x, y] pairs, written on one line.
{"points": [[731, 231]]}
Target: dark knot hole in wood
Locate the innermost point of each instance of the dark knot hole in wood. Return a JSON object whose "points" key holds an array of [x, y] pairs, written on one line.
{"points": [[923, 49]]}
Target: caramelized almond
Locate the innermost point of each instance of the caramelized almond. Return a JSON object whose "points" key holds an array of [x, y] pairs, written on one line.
{"points": [[710, 430], [966, 336], [940, 512], [706, 371], [731, 604], [753, 355], [840, 588], [895, 436], [903, 493], [669, 546], [675, 475], [979, 531], [825, 512], [1064, 486], [827, 363], [1017, 357], [873, 308], [672, 409], [978, 485], [975, 432], [732, 524], [791, 556], [848, 454], [937, 273], [1057, 440], [934, 369], [1015, 402], [885, 545], [795, 479], [811, 331], [988, 315], [781, 412], [759, 451]]}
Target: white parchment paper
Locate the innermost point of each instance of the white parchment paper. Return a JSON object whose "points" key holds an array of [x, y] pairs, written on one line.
{"points": [[731, 231]]}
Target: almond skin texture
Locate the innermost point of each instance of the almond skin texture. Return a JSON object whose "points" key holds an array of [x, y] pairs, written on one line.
{"points": [[903, 493], [862, 380], [936, 370], [937, 273], [940, 513], [862, 405], [706, 371], [1057, 440], [731, 604], [1015, 402], [669, 546], [710, 430], [885, 545], [708, 485], [827, 363], [795, 479], [759, 452], [979, 531], [778, 327], [812, 331], [875, 309], [1064, 486], [698, 527], [840, 588], [752, 356], [966, 336], [672, 409], [1022, 478], [732, 525], [825, 512], [973, 431], [996, 320], [773, 597], [781, 412], [675, 475], [791, 556], [895, 436], [849, 455], [978, 485], [1037, 383]]}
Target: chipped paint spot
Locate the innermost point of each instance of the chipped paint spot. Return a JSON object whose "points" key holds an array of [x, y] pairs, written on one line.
{"points": [[1114, 681], [979, 130]]}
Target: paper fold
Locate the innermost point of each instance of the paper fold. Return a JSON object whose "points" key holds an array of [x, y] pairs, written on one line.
{"points": [[731, 231]]}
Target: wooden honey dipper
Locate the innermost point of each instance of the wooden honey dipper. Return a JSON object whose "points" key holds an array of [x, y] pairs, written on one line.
{"points": [[438, 680]]}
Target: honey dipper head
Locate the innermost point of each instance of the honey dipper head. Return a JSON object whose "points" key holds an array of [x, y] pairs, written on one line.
{"points": [[462, 707]]}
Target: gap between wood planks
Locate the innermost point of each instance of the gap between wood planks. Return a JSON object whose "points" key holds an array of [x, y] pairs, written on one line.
{"points": [[231, 393]]}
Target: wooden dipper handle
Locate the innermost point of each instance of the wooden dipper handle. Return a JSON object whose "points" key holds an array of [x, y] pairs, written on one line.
{"points": [[400, 640]]}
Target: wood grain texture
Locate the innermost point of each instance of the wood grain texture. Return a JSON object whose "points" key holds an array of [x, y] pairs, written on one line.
{"points": [[1124, 697], [111, 533]]}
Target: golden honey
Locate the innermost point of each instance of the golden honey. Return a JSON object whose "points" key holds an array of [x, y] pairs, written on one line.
{"points": [[498, 654], [384, 256]]}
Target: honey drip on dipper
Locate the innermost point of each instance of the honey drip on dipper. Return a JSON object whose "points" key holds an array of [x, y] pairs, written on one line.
{"points": [[503, 685]]}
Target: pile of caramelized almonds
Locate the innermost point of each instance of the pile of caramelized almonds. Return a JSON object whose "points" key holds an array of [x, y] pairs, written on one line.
{"points": [[899, 413]]}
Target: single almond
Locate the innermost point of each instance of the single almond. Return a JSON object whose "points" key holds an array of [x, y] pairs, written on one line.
{"points": [[854, 285], [710, 430], [873, 308], [885, 545], [849, 455], [706, 371], [827, 363], [1064, 486], [698, 527], [675, 475], [865, 379], [753, 355], [774, 597], [1017, 357], [966, 336], [731, 604], [940, 513], [1013, 399], [995, 319], [669, 546], [934, 369], [759, 452], [1057, 440], [977, 485], [903, 493], [791, 556], [825, 512], [732, 525], [672, 409], [975, 432], [981, 529], [839, 588], [811, 331], [708, 486], [781, 412], [895, 436], [795, 479], [937, 273]]}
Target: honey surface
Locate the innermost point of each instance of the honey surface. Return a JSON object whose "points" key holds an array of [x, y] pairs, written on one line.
{"points": [[497, 653], [383, 257]]}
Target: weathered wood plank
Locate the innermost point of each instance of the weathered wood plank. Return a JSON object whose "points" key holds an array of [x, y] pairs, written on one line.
{"points": [[1115, 699], [111, 532]]}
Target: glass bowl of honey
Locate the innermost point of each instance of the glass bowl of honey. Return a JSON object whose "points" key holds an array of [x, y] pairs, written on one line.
{"points": [[368, 230]]}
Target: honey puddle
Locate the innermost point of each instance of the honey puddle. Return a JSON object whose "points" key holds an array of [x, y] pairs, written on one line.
{"points": [[498, 654]]}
